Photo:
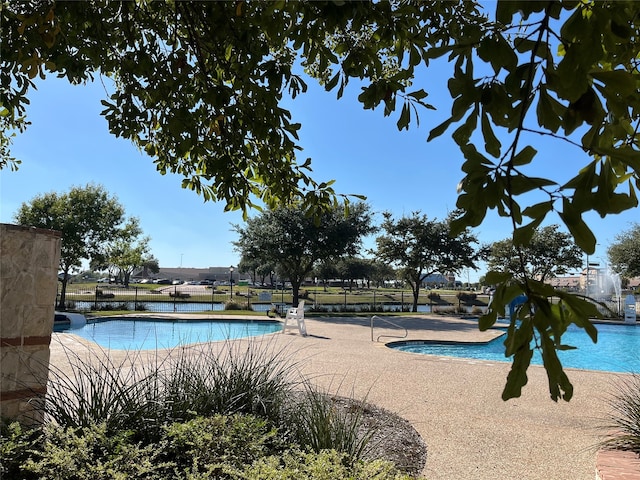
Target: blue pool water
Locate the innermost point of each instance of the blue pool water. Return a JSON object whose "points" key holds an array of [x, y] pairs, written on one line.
{"points": [[617, 350], [150, 333]]}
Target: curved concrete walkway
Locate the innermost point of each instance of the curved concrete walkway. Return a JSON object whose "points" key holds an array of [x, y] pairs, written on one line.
{"points": [[454, 404]]}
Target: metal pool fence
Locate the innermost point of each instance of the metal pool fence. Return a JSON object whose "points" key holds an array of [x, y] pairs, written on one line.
{"points": [[202, 298], [199, 298]]}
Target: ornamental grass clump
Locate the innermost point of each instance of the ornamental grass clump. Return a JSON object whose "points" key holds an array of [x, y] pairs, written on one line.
{"points": [[319, 421], [123, 395], [145, 392], [622, 427], [249, 377]]}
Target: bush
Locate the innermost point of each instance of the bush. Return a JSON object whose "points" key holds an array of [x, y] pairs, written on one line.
{"points": [[123, 395], [622, 428], [111, 306], [319, 308], [232, 305], [16, 444], [329, 464], [92, 453], [466, 296], [232, 448], [234, 440]]}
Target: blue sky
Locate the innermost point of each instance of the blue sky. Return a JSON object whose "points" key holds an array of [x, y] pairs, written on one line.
{"points": [[68, 144]]}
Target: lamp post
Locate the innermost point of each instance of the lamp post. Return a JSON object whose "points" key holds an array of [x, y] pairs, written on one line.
{"points": [[231, 280], [586, 286]]}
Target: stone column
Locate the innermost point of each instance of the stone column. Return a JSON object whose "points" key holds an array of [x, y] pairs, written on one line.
{"points": [[29, 260]]}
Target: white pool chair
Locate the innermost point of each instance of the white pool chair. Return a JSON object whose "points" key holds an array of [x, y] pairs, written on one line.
{"points": [[295, 319]]}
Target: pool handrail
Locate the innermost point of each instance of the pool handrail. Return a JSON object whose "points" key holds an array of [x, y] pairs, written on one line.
{"points": [[406, 332]]}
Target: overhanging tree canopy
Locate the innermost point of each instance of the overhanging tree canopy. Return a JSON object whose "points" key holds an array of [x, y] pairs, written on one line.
{"points": [[199, 85]]}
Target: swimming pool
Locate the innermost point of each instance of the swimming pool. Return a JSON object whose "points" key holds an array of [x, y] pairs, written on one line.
{"points": [[148, 333], [617, 350]]}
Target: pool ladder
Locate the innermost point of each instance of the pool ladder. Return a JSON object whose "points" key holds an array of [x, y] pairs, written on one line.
{"points": [[406, 332]]}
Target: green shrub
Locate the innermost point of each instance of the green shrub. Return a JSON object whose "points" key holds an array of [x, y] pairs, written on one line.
{"points": [[233, 448], [94, 453], [622, 427], [232, 305], [326, 465], [16, 444], [213, 444], [112, 306], [466, 296]]}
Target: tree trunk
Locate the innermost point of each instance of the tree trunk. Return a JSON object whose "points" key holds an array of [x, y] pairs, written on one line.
{"points": [[63, 290], [295, 292], [415, 289]]}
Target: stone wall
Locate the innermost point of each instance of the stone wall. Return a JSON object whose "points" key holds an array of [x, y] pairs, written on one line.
{"points": [[29, 259]]}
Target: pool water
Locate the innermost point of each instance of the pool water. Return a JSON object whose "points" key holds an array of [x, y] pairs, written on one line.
{"points": [[150, 333], [617, 350]]}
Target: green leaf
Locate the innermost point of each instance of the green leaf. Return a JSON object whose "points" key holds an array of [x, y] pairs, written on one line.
{"points": [[520, 184], [414, 56], [491, 143], [436, 52], [539, 210], [517, 377], [524, 157], [549, 111], [582, 234], [558, 380], [487, 320], [440, 129], [463, 133], [405, 118], [524, 234], [333, 82], [495, 277], [619, 81], [418, 94]]}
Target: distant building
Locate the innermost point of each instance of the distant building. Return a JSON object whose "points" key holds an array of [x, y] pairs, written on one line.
{"points": [[437, 279], [570, 283], [214, 274], [598, 279]]}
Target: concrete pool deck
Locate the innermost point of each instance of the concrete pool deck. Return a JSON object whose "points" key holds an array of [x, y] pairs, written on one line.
{"points": [[454, 404]]}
